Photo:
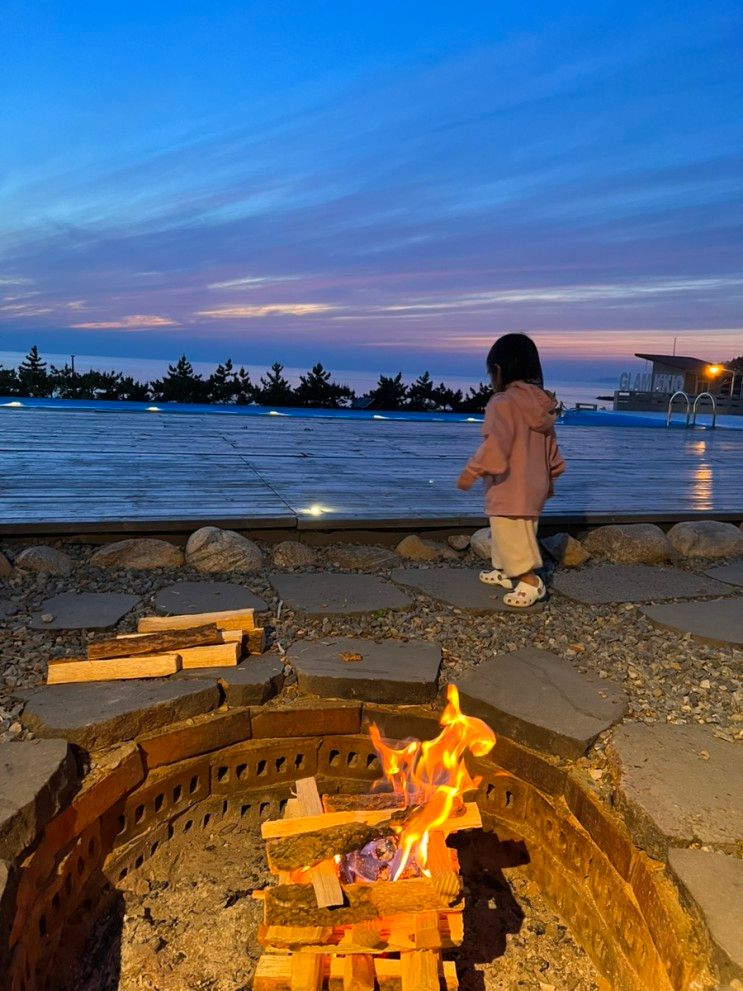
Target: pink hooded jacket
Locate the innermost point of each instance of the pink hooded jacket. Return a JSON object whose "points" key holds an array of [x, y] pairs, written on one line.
{"points": [[518, 458]]}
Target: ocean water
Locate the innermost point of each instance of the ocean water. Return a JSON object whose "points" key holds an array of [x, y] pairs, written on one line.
{"points": [[146, 369]]}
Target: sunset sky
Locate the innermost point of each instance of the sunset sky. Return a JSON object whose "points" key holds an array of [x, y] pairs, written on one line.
{"points": [[374, 185]]}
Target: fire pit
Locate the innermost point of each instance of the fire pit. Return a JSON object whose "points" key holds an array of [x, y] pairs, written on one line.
{"points": [[396, 886]]}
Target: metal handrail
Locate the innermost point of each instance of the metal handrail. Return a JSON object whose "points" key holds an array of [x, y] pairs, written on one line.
{"points": [[705, 395], [680, 393]]}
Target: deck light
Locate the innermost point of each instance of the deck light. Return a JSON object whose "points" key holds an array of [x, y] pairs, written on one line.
{"points": [[316, 510], [378, 417], [15, 403], [275, 412], [714, 369], [153, 409]]}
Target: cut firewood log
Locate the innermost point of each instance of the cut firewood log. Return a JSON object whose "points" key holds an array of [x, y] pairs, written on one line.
{"points": [[307, 849], [369, 800], [468, 818], [65, 670], [273, 973], [306, 972], [358, 973], [221, 655], [295, 904], [229, 619], [390, 934], [441, 865], [324, 875], [419, 970], [224, 636], [256, 640], [164, 641]]}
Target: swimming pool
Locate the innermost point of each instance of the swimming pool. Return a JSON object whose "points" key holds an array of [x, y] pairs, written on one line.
{"points": [[573, 417]]}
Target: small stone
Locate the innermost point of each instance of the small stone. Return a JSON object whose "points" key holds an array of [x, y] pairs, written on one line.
{"points": [[139, 554], [291, 554], [47, 617], [706, 538], [44, 561], [362, 557], [480, 543], [458, 541], [415, 548], [214, 550]]}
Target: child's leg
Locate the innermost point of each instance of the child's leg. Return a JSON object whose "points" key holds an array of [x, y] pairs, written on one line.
{"points": [[515, 545], [497, 575]]}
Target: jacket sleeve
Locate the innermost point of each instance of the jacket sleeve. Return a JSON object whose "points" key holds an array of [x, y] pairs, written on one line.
{"points": [[491, 458], [554, 458]]}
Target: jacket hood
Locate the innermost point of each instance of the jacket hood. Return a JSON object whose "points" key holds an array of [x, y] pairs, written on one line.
{"points": [[537, 406]]}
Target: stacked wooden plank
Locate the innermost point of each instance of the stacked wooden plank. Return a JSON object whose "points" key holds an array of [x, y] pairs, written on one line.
{"points": [[320, 934], [164, 645]]}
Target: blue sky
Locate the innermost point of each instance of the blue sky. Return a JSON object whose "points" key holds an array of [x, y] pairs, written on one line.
{"points": [[375, 185]]}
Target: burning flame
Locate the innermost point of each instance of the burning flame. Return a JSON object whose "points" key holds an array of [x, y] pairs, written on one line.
{"points": [[432, 776]]}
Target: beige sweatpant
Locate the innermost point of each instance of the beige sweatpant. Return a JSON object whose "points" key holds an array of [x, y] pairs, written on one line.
{"points": [[514, 547]]}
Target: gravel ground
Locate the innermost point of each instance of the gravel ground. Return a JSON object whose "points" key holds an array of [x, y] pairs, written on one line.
{"points": [[161, 935], [666, 677]]}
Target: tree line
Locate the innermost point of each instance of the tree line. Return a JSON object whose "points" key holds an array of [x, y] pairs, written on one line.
{"points": [[230, 385]]}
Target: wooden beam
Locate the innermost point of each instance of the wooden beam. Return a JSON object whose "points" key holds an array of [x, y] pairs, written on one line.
{"points": [[324, 875], [164, 641], [441, 864], [65, 671], [274, 828], [228, 619], [273, 973], [256, 640]]}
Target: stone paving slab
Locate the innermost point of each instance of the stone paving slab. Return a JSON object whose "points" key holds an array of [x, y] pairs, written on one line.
{"points": [[717, 622], [606, 583], [83, 610], [330, 594], [101, 714], [186, 598], [539, 699], [678, 785], [8, 607], [714, 883], [36, 778], [392, 671], [731, 573], [459, 587], [251, 682]]}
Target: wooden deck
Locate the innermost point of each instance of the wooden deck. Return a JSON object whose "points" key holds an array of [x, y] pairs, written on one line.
{"points": [[75, 471]]}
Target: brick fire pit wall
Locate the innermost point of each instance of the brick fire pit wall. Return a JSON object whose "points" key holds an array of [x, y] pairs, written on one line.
{"points": [[241, 763]]}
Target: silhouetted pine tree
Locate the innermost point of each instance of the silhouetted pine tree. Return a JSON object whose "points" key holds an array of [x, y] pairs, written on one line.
{"points": [[132, 391], [274, 389], [221, 385], [476, 399], [422, 394], [9, 382], [245, 391], [390, 392], [33, 376], [180, 385], [316, 388]]}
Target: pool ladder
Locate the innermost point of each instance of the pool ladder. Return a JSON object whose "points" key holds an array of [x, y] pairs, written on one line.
{"points": [[691, 411]]}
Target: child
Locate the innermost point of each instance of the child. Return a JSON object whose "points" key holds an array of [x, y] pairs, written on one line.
{"points": [[519, 461]]}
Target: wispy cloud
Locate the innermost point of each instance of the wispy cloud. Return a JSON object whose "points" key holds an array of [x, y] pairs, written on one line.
{"points": [[253, 282], [135, 322], [267, 310]]}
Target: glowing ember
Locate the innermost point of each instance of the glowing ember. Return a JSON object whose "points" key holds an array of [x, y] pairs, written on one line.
{"points": [[431, 775]]}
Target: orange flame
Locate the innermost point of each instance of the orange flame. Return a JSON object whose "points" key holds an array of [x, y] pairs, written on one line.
{"points": [[432, 775]]}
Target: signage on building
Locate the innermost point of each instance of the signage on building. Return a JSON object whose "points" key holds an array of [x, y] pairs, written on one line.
{"points": [[643, 382]]}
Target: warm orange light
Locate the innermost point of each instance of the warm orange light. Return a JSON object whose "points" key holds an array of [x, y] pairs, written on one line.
{"points": [[432, 775], [714, 369]]}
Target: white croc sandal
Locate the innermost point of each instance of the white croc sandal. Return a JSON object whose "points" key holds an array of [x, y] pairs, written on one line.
{"points": [[525, 595], [495, 578]]}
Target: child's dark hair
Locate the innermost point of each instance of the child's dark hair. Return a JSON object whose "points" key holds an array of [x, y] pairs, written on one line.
{"points": [[516, 357]]}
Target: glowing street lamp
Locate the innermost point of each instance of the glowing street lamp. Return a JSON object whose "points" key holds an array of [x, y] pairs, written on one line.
{"points": [[714, 369]]}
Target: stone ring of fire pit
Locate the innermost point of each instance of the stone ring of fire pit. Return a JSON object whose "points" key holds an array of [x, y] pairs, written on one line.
{"points": [[240, 764]]}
